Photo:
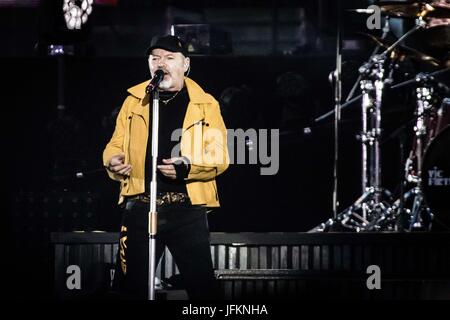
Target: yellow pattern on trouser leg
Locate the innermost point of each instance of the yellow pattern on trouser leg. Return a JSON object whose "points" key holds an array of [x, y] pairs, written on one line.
{"points": [[123, 247]]}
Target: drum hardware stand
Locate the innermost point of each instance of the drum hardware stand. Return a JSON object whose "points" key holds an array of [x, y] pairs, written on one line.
{"points": [[413, 165], [388, 219], [370, 204], [372, 85], [419, 216], [424, 105], [387, 216], [372, 208]]}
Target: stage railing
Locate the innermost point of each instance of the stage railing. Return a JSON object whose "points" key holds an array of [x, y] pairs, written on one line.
{"points": [[282, 265]]}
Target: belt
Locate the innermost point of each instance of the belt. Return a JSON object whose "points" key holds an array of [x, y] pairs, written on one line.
{"points": [[163, 198]]}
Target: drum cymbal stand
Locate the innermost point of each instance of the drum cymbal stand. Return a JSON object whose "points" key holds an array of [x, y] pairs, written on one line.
{"points": [[371, 203], [415, 215], [416, 208], [382, 216], [420, 213]]}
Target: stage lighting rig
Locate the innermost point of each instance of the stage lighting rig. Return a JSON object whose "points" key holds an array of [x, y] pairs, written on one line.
{"points": [[76, 13]]}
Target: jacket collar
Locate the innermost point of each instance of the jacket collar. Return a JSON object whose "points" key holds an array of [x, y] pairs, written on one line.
{"points": [[196, 94]]}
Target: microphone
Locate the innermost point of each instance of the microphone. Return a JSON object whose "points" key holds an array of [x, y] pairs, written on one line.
{"points": [[156, 80]]}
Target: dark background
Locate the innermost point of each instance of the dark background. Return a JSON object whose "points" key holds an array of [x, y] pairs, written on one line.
{"points": [[44, 148]]}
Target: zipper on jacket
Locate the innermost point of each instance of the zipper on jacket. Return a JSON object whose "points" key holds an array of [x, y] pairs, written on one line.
{"points": [[129, 151], [129, 136]]}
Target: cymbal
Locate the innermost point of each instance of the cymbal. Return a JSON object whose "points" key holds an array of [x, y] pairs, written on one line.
{"points": [[403, 51], [437, 22], [415, 9]]}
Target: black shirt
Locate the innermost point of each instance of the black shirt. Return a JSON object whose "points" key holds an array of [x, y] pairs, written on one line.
{"points": [[171, 117]]}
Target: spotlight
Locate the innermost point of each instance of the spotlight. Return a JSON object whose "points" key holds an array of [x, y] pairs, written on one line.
{"points": [[76, 12]]}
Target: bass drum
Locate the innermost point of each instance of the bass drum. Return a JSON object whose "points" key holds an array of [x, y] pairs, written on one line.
{"points": [[436, 178]]}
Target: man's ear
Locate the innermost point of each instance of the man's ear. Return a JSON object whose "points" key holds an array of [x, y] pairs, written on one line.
{"points": [[187, 63]]}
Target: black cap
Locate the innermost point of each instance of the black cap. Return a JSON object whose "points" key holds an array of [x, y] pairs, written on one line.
{"points": [[169, 43]]}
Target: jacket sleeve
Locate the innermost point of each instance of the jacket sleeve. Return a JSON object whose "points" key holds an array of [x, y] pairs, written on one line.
{"points": [[215, 150], [115, 145]]}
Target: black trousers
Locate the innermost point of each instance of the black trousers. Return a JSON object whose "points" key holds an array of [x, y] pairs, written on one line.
{"points": [[184, 230]]}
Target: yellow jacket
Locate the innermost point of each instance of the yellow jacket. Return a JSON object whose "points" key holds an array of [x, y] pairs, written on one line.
{"points": [[203, 142]]}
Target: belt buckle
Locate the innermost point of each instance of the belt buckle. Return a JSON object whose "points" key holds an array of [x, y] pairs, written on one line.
{"points": [[178, 197], [164, 198]]}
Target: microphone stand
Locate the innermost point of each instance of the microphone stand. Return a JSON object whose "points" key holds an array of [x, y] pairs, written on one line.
{"points": [[337, 109], [78, 174], [152, 215]]}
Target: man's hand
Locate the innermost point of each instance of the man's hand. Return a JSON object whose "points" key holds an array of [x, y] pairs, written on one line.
{"points": [[116, 165], [168, 169]]}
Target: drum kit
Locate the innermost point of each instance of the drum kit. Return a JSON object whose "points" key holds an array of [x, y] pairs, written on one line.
{"points": [[424, 200]]}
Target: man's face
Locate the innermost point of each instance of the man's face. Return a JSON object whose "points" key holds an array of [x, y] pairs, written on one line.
{"points": [[174, 65]]}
